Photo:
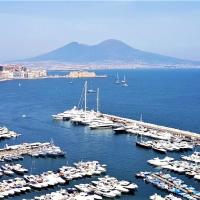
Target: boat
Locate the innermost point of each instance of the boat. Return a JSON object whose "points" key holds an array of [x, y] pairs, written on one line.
{"points": [[91, 91], [124, 82], [125, 85], [120, 130], [143, 144], [117, 79], [159, 149]]}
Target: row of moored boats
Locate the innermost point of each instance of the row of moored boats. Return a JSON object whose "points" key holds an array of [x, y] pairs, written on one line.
{"points": [[189, 168], [162, 146], [104, 187], [167, 197], [16, 152], [11, 169], [171, 184]]}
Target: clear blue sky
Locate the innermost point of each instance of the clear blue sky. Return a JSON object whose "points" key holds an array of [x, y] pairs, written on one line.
{"points": [[31, 28]]}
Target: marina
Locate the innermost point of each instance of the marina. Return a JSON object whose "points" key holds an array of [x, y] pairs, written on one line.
{"points": [[91, 135], [175, 139], [12, 187]]}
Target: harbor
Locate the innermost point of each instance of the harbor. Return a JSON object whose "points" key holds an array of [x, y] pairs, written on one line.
{"points": [[89, 135], [158, 138], [98, 120]]}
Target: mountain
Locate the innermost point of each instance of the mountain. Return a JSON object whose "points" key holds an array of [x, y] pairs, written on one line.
{"points": [[108, 52]]}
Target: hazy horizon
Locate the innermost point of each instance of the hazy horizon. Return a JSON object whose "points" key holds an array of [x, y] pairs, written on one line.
{"points": [[33, 28]]}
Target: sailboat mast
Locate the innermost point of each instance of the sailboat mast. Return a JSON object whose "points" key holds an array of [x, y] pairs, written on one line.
{"points": [[141, 121], [85, 96], [97, 100]]}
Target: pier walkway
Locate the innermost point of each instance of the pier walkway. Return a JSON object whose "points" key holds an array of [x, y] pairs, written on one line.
{"points": [[175, 132]]}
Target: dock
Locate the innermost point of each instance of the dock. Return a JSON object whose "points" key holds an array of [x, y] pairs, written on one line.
{"points": [[97, 120], [173, 131]]}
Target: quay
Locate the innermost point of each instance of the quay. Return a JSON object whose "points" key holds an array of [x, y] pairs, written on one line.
{"points": [[173, 131], [97, 120]]}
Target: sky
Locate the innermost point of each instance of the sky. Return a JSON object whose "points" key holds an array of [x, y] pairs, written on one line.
{"points": [[166, 27]]}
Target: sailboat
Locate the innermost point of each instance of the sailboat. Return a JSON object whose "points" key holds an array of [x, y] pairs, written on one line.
{"points": [[124, 82], [117, 79], [91, 90], [97, 99]]}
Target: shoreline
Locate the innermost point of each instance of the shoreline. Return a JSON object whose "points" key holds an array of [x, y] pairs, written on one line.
{"points": [[52, 77]]}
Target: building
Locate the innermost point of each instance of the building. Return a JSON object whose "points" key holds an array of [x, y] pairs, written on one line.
{"points": [[12, 71], [1, 68]]}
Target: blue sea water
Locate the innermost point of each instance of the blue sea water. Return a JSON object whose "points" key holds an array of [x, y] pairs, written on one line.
{"points": [[166, 97]]}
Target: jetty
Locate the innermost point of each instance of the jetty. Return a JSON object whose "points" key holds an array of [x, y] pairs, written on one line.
{"points": [[97, 120], [157, 128]]}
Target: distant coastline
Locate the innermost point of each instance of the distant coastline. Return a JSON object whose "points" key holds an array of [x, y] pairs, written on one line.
{"points": [[53, 65]]}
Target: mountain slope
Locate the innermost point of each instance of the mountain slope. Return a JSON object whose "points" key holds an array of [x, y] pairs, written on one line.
{"points": [[109, 51]]}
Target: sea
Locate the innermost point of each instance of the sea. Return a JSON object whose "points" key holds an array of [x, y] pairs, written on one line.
{"points": [[169, 97]]}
